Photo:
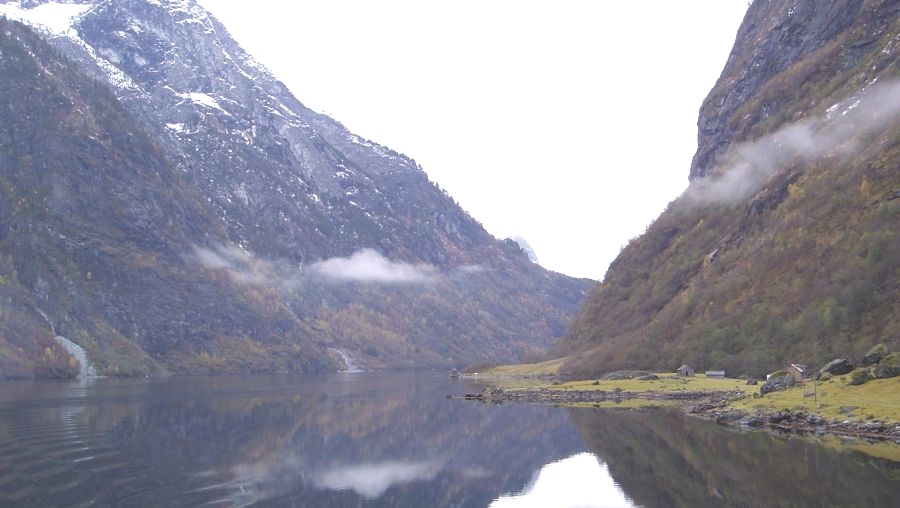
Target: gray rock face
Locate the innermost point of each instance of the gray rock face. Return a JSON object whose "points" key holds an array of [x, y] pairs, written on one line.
{"points": [[777, 33], [255, 151]]}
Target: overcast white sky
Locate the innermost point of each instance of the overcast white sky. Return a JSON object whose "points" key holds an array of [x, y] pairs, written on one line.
{"points": [[569, 123]]}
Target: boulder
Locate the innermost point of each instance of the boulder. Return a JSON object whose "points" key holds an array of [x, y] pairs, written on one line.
{"points": [[875, 355], [889, 366], [859, 376], [776, 383], [837, 367]]}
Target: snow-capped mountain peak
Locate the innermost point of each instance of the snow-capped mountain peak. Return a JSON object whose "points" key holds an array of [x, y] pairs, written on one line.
{"points": [[54, 17], [220, 193]]}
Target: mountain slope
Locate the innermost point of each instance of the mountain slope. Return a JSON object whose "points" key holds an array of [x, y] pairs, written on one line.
{"points": [[783, 248], [94, 217], [198, 218]]}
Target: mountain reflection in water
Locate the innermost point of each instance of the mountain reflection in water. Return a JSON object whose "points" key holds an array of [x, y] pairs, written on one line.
{"points": [[390, 439], [664, 458], [371, 439]]}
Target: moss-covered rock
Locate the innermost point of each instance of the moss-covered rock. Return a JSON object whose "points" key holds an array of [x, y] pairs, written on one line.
{"points": [[889, 366], [875, 355], [777, 381], [859, 376]]}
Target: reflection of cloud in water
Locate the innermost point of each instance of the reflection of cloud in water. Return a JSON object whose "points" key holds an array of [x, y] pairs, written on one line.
{"points": [[580, 481], [372, 480]]}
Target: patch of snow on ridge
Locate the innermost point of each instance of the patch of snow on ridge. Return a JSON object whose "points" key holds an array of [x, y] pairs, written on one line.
{"points": [[54, 17], [186, 12], [59, 19], [202, 99], [189, 7]]}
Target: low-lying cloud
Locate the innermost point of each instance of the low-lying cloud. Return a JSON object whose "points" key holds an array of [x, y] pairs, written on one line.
{"points": [[241, 266], [745, 169], [367, 265]]}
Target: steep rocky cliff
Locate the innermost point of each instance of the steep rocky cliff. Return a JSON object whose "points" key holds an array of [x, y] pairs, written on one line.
{"points": [[168, 205], [783, 248]]}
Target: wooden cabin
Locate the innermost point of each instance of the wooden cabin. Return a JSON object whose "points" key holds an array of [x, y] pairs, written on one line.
{"points": [[797, 371], [685, 371]]}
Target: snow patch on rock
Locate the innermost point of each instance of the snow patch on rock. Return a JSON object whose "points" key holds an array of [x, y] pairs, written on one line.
{"points": [[202, 99]]}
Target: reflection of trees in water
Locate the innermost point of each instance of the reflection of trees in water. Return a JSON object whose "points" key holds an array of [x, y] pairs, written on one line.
{"points": [[663, 458]]}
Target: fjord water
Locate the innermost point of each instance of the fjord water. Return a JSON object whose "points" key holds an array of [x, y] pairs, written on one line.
{"points": [[391, 439]]}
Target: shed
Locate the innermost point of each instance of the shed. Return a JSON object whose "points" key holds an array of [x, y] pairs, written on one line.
{"points": [[685, 370], [715, 373], [797, 371]]}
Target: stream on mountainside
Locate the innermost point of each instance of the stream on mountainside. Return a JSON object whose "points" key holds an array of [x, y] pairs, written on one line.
{"points": [[85, 367]]}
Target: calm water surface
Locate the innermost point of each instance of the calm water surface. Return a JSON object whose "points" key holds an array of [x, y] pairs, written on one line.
{"points": [[391, 439]]}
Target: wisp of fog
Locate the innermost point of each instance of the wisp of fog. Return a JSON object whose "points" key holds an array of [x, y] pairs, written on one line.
{"points": [[746, 168], [365, 265]]}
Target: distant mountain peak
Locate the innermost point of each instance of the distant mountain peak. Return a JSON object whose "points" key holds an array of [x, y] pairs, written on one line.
{"points": [[526, 248]]}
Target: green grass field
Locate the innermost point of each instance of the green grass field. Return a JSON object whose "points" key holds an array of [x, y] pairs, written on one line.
{"points": [[666, 383], [878, 399], [548, 368]]}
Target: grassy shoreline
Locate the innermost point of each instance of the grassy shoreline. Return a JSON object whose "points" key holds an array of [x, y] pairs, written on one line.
{"points": [[828, 408], [833, 399]]}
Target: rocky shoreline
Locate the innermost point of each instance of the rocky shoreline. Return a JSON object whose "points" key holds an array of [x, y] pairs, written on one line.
{"points": [[708, 405], [796, 421]]}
